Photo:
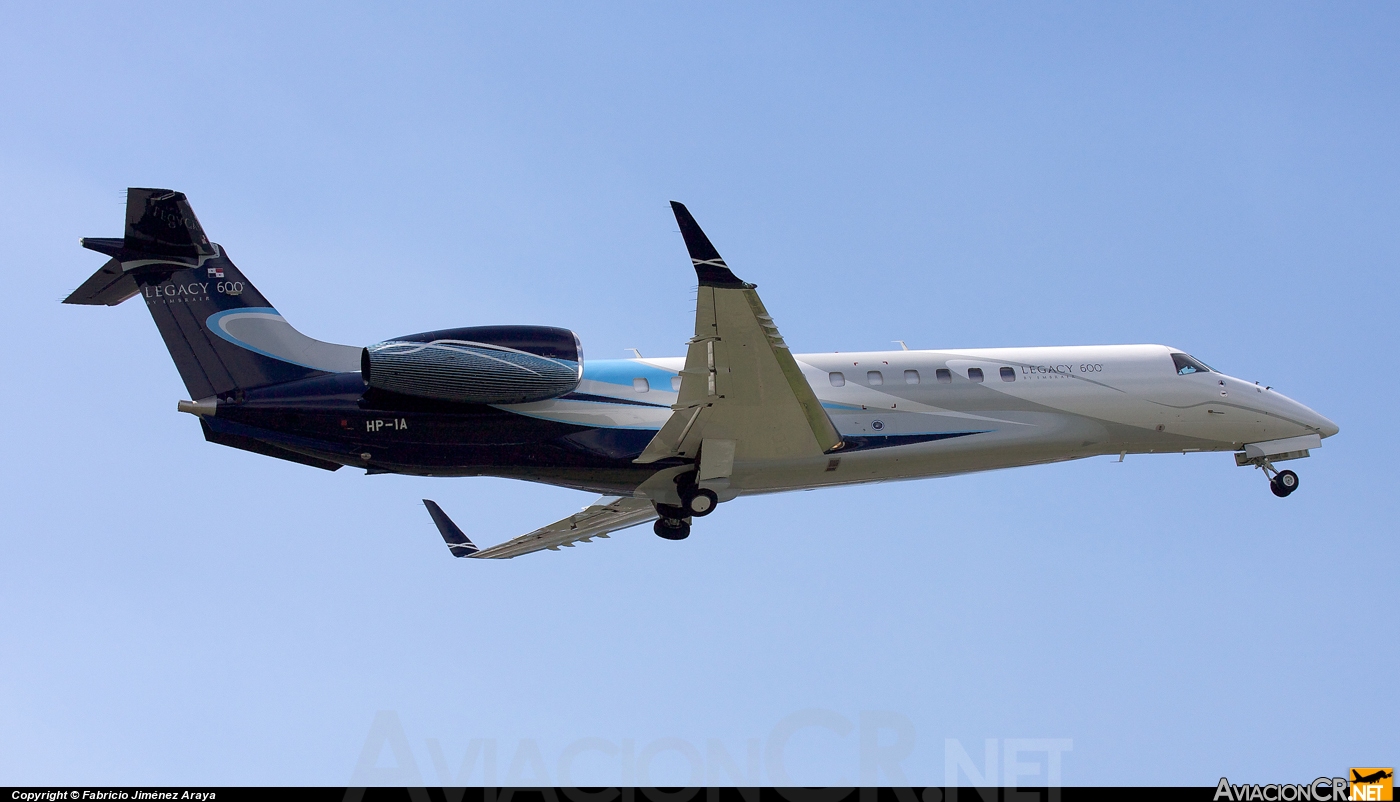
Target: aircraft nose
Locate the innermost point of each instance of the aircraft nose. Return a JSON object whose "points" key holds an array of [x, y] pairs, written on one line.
{"points": [[1314, 421], [1326, 427], [1279, 404]]}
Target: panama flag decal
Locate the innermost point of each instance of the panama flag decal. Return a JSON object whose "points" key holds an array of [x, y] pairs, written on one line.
{"points": [[216, 272]]}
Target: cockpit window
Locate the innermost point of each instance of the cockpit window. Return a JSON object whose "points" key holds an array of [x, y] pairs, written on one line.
{"points": [[1185, 365]]}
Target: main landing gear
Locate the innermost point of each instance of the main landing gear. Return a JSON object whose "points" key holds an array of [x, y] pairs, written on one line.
{"points": [[669, 527], [696, 502], [699, 501]]}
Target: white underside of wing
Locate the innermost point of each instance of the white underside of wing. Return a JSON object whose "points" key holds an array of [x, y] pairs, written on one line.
{"points": [[607, 514], [741, 384]]}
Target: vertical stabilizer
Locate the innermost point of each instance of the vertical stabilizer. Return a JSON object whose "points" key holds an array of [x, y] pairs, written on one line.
{"points": [[222, 333], [160, 222]]}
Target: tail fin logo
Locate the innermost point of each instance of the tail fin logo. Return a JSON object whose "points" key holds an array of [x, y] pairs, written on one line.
{"points": [[216, 272]]}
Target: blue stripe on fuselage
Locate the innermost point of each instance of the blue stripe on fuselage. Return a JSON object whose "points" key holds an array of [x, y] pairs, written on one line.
{"points": [[623, 371]]}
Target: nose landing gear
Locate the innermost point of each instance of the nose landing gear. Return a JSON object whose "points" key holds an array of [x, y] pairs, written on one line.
{"points": [[1283, 483]]}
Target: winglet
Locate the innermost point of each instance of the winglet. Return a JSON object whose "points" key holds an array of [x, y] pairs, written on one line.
{"points": [[458, 542], [710, 268]]}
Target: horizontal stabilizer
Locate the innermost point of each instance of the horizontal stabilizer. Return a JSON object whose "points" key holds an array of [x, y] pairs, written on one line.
{"points": [[161, 231], [457, 541], [109, 286]]}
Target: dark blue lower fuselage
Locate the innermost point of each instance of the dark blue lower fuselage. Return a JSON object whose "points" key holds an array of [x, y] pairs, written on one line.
{"points": [[334, 419]]}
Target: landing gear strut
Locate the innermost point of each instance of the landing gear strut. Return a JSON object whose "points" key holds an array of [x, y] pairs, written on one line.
{"points": [[696, 502], [1281, 483]]}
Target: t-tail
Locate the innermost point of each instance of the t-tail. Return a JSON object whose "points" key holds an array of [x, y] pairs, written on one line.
{"points": [[222, 333]]}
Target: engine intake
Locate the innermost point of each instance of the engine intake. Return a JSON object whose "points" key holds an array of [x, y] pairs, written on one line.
{"points": [[478, 365]]}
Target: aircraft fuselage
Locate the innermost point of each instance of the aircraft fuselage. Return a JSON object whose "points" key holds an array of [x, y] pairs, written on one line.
{"points": [[902, 415], [664, 440]]}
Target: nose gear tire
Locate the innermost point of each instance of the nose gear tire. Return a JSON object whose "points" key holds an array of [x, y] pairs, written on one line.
{"points": [[1284, 483]]}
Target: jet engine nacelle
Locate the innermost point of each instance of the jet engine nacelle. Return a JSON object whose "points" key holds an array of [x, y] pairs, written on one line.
{"points": [[477, 365]]}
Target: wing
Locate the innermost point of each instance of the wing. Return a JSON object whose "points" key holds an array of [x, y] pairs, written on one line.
{"points": [[741, 390], [607, 514]]}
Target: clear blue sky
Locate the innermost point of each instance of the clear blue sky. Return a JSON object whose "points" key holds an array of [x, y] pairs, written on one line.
{"points": [[1219, 177]]}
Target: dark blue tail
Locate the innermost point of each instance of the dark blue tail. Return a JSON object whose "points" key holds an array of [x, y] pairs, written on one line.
{"points": [[222, 333]]}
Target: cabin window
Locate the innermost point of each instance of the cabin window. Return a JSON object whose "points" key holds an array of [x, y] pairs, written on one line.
{"points": [[1185, 365], [641, 385], [874, 377], [911, 377], [944, 375], [838, 380], [975, 374], [1008, 375], [675, 384]]}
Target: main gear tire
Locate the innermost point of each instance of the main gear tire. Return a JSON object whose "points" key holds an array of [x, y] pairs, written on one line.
{"points": [[700, 502], [672, 528]]}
